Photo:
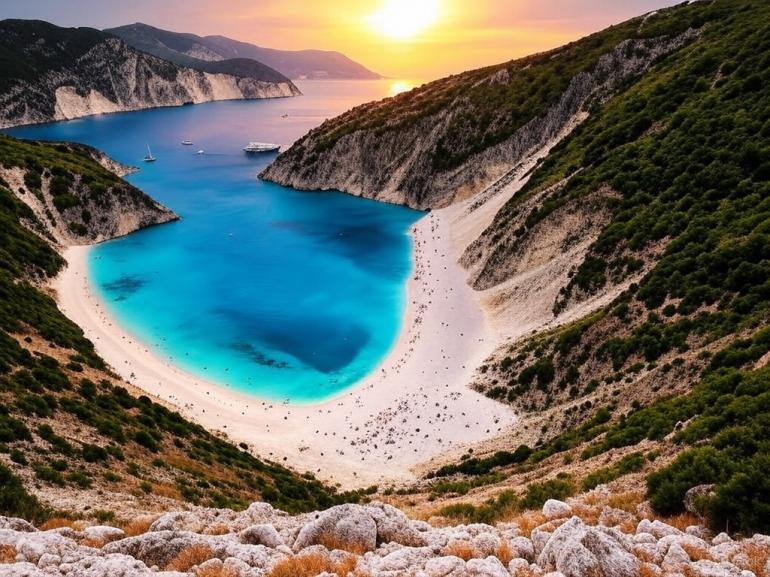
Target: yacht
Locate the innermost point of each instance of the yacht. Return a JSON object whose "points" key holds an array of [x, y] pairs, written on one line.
{"points": [[187, 142], [149, 157], [255, 147]]}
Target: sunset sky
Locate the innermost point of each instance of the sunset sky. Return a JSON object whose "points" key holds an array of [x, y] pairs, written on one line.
{"points": [[416, 39]]}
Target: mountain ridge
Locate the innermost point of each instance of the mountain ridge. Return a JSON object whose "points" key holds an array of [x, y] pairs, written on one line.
{"points": [[295, 64]]}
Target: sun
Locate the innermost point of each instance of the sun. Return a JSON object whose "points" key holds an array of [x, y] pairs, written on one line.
{"points": [[405, 19]]}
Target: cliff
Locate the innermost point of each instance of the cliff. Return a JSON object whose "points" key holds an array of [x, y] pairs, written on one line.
{"points": [[75, 193], [51, 73], [447, 140]]}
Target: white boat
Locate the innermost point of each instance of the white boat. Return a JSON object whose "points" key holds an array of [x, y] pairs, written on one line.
{"points": [[201, 151], [187, 142], [255, 147], [149, 157]]}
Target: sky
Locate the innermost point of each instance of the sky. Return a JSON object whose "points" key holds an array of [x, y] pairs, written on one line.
{"points": [[410, 39]]}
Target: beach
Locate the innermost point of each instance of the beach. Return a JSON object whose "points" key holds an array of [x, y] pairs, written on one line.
{"points": [[416, 406]]}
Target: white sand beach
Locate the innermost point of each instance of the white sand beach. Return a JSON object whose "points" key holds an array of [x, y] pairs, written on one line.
{"points": [[415, 407]]}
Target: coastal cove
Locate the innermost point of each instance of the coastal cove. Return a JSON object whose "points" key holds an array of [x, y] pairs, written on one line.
{"points": [[415, 405], [282, 295]]}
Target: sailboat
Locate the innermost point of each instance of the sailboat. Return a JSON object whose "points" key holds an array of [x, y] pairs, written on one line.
{"points": [[149, 157]]}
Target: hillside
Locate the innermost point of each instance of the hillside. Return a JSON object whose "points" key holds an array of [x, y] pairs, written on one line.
{"points": [[219, 52], [609, 203], [73, 436], [50, 73]]}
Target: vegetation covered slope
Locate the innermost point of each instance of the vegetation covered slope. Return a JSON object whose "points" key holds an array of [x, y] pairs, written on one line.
{"points": [[52, 73], [189, 50], [68, 426], [448, 139], [685, 151], [295, 64]]}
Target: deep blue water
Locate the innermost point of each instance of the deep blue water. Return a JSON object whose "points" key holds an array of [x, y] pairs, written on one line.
{"points": [[279, 293]]}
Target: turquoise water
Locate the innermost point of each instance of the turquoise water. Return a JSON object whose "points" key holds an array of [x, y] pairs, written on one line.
{"points": [[279, 293]]}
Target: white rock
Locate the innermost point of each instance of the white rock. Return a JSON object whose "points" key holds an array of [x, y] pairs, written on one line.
{"points": [[444, 566], [522, 547], [675, 558], [554, 509], [261, 535], [486, 544], [350, 524], [489, 567], [721, 539], [104, 532]]}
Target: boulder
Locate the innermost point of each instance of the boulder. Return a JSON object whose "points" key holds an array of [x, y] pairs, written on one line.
{"points": [[104, 532], [554, 509], [261, 535], [489, 567], [16, 524], [348, 525], [393, 526], [522, 547], [675, 558], [695, 497], [614, 560], [405, 559], [486, 544], [445, 567]]}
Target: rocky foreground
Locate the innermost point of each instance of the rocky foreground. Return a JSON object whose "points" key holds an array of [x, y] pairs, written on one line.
{"points": [[379, 540]]}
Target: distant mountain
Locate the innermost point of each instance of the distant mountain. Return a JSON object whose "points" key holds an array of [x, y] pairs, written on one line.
{"points": [[189, 50], [51, 73]]}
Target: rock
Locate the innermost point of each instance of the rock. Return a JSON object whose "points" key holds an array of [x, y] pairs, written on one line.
{"points": [[445, 567], [721, 539], [486, 544], [575, 560], [694, 498], [104, 533], [158, 547], [16, 524], [261, 535], [522, 547], [406, 558], [23, 569], [698, 531], [572, 530], [517, 565], [349, 525], [539, 539], [393, 526], [554, 509], [706, 568], [489, 567], [656, 528], [614, 560], [675, 558]]}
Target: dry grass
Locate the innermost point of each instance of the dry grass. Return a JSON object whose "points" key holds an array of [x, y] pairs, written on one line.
{"points": [[57, 523], [588, 513], [332, 542], [218, 529], [311, 565], [7, 553], [696, 553], [168, 491], [190, 557], [95, 542], [525, 572], [220, 571], [644, 556], [504, 553], [648, 570], [682, 521], [462, 549], [628, 502], [138, 526], [528, 521], [758, 556]]}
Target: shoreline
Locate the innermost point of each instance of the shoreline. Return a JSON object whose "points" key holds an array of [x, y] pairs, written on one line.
{"points": [[415, 406]]}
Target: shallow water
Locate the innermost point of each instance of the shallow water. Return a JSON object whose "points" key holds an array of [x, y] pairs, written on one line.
{"points": [[279, 293]]}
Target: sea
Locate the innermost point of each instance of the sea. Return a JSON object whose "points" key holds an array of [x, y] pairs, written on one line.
{"points": [[285, 295]]}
